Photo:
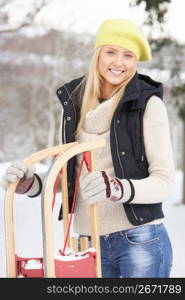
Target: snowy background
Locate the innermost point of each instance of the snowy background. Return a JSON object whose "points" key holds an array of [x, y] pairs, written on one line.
{"points": [[36, 60], [28, 230]]}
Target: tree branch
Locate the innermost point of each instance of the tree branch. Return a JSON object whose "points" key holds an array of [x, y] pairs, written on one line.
{"points": [[28, 20]]}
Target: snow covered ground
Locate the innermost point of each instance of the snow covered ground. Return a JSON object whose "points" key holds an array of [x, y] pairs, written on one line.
{"points": [[28, 231]]}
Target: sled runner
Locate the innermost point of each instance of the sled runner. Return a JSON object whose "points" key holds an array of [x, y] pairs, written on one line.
{"points": [[81, 264]]}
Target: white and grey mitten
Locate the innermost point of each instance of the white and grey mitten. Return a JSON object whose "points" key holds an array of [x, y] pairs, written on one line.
{"points": [[97, 186], [17, 170]]}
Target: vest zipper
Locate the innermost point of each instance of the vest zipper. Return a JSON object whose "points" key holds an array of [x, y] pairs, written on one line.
{"points": [[142, 138], [118, 149], [63, 128], [133, 212], [64, 132]]}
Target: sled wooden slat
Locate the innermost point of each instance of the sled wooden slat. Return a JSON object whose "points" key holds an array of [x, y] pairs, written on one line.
{"points": [[49, 264], [74, 243], [9, 225], [95, 235], [84, 245], [94, 221]]}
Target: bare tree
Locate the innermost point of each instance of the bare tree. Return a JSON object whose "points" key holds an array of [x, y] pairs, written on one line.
{"points": [[28, 19]]}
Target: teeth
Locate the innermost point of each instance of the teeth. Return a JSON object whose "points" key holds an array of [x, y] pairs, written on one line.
{"points": [[115, 71]]}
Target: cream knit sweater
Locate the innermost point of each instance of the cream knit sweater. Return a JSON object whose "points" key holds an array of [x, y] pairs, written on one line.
{"points": [[157, 187]]}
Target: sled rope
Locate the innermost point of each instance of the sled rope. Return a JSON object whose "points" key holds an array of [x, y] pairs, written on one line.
{"points": [[83, 160]]}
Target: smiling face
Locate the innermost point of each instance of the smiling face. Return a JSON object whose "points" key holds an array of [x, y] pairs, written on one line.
{"points": [[115, 65]]}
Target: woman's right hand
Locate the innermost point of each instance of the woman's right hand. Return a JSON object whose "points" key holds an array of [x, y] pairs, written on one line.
{"points": [[17, 170]]}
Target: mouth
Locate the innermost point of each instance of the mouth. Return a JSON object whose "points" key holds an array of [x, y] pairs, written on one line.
{"points": [[116, 72]]}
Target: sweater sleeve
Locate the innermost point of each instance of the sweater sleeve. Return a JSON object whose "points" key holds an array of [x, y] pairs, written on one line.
{"points": [[159, 185]]}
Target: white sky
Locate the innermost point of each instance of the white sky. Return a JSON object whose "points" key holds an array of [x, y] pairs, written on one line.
{"points": [[85, 16]]}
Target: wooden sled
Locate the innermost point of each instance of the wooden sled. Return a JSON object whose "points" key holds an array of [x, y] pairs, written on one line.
{"points": [[62, 153]]}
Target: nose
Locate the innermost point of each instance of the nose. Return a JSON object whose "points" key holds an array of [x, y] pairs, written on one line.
{"points": [[118, 62]]}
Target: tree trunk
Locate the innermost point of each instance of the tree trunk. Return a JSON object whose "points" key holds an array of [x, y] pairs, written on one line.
{"points": [[183, 163]]}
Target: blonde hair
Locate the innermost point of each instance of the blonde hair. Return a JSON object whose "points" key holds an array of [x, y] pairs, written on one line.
{"points": [[92, 90]]}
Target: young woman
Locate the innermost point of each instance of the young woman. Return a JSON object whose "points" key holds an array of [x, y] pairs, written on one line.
{"points": [[135, 171]]}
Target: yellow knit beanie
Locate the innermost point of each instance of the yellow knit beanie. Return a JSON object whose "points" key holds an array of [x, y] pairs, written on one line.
{"points": [[123, 33]]}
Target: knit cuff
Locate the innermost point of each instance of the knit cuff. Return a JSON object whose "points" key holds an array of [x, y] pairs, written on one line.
{"points": [[107, 183], [121, 187], [36, 187], [132, 189], [24, 185], [129, 191]]}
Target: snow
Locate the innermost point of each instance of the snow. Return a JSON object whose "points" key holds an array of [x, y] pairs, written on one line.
{"points": [[28, 229], [33, 264], [85, 16], [70, 257]]}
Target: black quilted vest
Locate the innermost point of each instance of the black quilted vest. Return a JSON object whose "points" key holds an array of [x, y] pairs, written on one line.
{"points": [[126, 138]]}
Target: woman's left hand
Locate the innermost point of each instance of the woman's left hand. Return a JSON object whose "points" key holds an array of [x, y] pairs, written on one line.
{"points": [[97, 186]]}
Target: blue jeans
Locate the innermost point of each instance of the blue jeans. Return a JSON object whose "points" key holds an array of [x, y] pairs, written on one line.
{"points": [[144, 251]]}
